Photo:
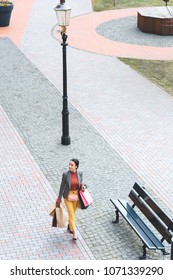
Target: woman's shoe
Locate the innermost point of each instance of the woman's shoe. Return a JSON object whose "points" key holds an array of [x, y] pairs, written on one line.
{"points": [[69, 230], [74, 235]]}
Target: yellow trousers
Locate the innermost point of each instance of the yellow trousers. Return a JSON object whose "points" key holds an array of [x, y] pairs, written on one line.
{"points": [[71, 209]]}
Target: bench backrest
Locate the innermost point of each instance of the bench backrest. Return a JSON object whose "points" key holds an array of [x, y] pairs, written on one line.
{"points": [[152, 211]]}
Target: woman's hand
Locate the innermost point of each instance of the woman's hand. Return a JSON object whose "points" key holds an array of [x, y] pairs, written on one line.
{"points": [[82, 187], [58, 201], [58, 204]]}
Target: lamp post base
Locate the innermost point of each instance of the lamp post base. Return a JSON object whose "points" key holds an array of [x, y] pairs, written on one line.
{"points": [[65, 140]]}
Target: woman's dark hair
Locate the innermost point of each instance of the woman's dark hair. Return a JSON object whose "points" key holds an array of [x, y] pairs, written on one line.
{"points": [[75, 160]]}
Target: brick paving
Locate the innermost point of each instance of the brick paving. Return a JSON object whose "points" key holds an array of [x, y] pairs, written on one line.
{"points": [[26, 197], [88, 24], [18, 23], [117, 146]]}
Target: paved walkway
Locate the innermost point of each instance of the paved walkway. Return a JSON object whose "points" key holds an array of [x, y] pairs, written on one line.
{"points": [[26, 197], [18, 23], [121, 124]]}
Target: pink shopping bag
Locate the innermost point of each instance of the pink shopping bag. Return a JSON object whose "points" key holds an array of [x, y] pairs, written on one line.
{"points": [[86, 197]]}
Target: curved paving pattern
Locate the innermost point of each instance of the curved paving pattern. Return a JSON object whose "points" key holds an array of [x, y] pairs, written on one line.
{"points": [[126, 30], [96, 43]]}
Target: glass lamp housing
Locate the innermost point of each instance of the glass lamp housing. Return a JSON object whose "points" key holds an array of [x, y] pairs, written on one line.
{"points": [[63, 14]]}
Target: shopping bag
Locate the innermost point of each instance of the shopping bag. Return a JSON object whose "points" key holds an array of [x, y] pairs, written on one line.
{"points": [[54, 221], [85, 198], [81, 204], [59, 217], [52, 209]]}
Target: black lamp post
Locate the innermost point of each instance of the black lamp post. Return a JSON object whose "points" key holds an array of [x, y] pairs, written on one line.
{"points": [[63, 15]]}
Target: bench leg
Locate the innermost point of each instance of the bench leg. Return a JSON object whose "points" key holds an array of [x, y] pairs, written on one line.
{"points": [[164, 252], [143, 257], [116, 220], [172, 250]]}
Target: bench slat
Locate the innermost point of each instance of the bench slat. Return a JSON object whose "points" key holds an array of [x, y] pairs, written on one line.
{"points": [[133, 224], [159, 212], [144, 227], [150, 216]]}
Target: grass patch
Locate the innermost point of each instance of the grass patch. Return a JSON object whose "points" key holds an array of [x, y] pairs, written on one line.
{"points": [[102, 5], [159, 72]]}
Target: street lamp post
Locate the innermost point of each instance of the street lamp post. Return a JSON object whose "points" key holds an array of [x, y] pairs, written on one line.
{"points": [[63, 15]]}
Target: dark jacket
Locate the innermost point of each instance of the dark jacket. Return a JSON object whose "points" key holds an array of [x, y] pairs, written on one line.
{"points": [[66, 183]]}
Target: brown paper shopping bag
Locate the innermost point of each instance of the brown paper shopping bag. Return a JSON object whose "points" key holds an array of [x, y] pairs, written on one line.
{"points": [[58, 214], [52, 209]]}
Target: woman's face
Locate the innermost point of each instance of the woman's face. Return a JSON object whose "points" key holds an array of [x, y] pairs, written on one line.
{"points": [[72, 166]]}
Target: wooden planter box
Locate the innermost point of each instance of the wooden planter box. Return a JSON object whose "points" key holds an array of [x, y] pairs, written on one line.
{"points": [[155, 20]]}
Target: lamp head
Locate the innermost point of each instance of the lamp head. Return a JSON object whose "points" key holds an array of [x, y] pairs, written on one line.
{"points": [[63, 11]]}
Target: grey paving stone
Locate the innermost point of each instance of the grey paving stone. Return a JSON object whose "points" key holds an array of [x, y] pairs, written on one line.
{"points": [[130, 33]]}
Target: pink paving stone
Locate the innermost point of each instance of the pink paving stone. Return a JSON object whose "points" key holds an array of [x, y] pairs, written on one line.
{"points": [[99, 44], [19, 19]]}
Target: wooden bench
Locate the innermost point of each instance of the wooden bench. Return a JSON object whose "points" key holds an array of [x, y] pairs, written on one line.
{"points": [[157, 217]]}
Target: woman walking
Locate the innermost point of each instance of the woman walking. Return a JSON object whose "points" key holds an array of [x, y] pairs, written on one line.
{"points": [[70, 185]]}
